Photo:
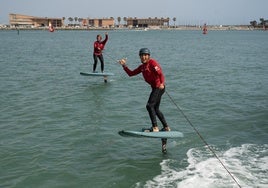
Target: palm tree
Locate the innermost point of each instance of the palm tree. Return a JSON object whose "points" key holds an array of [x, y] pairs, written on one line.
{"points": [[75, 19], [70, 20], [80, 20], [63, 18], [125, 20], [174, 20], [253, 23], [119, 20], [262, 23]]}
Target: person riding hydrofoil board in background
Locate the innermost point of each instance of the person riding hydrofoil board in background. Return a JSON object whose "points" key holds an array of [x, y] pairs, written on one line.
{"points": [[97, 53]]}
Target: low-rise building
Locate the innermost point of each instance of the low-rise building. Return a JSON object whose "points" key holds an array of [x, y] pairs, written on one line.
{"points": [[101, 22], [147, 22], [19, 20]]}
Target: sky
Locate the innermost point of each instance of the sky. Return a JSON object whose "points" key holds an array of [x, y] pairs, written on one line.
{"points": [[194, 12]]}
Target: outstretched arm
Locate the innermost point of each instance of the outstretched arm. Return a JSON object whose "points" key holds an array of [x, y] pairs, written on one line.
{"points": [[106, 39], [127, 70]]}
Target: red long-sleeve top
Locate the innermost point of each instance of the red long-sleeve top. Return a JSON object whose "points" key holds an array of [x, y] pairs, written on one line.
{"points": [[151, 71], [99, 46]]}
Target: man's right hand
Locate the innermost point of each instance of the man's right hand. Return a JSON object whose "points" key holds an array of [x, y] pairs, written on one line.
{"points": [[122, 62]]}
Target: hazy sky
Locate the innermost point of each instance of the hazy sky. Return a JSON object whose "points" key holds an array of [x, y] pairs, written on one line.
{"points": [[186, 11]]}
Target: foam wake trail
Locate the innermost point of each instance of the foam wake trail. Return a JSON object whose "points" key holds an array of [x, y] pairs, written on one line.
{"points": [[247, 163]]}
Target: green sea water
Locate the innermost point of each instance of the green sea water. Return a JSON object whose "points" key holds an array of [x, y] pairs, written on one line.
{"points": [[60, 129]]}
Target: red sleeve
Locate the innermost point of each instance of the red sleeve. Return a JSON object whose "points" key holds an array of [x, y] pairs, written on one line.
{"points": [[158, 70], [132, 72], [105, 40]]}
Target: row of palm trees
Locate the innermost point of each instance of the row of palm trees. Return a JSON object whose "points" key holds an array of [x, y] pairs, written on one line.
{"points": [[71, 19], [263, 23], [125, 19], [119, 19]]}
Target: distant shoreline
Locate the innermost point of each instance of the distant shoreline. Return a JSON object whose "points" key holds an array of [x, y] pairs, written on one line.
{"points": [[212, 28]]}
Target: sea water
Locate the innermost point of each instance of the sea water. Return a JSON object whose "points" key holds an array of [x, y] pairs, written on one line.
{"points": [[60, 129]]}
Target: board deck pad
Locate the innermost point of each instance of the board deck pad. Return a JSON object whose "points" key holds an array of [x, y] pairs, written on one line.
{"points": [[160, 134], [97, 74]]}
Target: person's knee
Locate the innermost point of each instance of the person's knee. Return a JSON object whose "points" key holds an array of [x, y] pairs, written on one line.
{"points": [[149, 106]]}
